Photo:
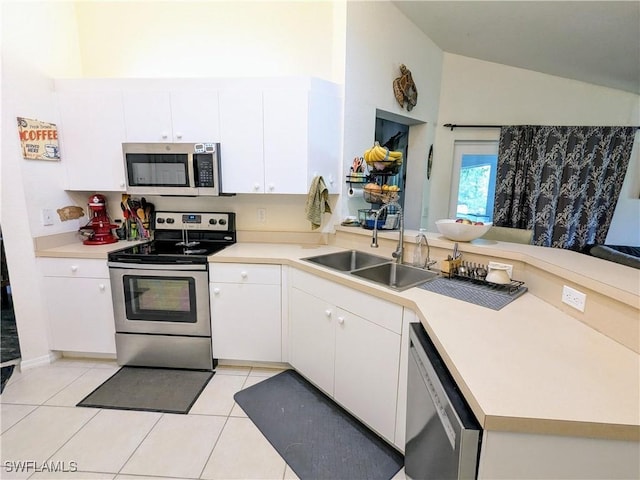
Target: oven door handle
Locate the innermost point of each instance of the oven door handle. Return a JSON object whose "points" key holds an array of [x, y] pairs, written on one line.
{"points": [[164, 266]]}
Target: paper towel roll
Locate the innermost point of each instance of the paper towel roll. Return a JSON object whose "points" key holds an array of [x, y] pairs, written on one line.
{"points": [[355, 193]]}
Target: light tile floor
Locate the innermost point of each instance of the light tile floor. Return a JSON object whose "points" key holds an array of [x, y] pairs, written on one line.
{"points": [[40, 423]]}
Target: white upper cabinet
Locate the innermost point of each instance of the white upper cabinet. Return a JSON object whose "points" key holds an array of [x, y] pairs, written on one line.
{"points": [[276, 139], [275, 134], [175, 116], [241, 140], [147, 116], [195, 115], [91, 133], [286, 139]]}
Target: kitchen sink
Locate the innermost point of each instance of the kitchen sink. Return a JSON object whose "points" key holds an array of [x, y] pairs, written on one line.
{"points": [[348, 260], [395, 276]]}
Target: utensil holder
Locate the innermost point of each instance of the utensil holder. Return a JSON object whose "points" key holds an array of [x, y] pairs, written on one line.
{"points": [[450, 266]]}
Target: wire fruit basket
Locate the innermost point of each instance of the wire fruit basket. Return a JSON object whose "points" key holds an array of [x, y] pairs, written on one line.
{"points": [[382, 196]]}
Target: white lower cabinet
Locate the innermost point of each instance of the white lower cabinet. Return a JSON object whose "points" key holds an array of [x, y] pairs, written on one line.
{"points": [[246, 312], [312, 338], [78, 295], [348, 344], [366, 371]]}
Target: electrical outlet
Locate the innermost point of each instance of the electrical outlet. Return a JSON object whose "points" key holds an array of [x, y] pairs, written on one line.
{"points": [[574, 298], [262, 215], [47, 217]]}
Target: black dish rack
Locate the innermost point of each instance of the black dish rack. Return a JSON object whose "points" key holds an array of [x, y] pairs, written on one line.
{"points": [[510, 288]]}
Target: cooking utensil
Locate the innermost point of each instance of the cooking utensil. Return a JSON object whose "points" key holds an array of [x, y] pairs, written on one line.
{"points": [[481, 272], [125, 212], [357, 165], [462, 269]]}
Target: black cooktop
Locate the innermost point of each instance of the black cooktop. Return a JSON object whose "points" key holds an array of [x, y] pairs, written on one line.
{"points": [[163, 252], [203, 234]]}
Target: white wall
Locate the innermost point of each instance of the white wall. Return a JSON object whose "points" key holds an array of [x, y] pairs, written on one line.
{"points": [[379, 39], [29, 61], [479, 92], [208, 39]]}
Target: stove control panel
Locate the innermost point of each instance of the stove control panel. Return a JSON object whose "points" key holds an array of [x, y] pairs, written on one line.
{"points": [[210, 221]]}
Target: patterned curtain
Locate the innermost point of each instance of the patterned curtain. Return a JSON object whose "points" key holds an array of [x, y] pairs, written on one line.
{"points": [[561, 182]]}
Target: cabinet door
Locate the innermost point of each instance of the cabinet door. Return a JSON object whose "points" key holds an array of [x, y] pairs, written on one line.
{"points": [[246, 322], [325, 138], [241, 141], [312, 338], [366, 371], [285, 140], [194, 115], [91, 135], [81, 314], [147, 116]]}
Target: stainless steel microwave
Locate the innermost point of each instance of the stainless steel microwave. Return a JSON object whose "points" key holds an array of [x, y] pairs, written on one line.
{"points": [[187, 169]]}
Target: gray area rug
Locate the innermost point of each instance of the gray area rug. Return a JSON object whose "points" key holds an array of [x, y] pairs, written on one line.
{"points": [[314, 435], [149, 389]]}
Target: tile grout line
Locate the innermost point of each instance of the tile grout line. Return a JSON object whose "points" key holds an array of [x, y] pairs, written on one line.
{"points": [[215, 444], [138, 446], [74, 434], [21, 404]]}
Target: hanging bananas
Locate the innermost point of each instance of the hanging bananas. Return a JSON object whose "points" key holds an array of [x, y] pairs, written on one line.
{"points": [[382, 154]]}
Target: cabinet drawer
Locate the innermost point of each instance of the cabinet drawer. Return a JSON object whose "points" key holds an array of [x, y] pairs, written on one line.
{"points": [[384, 313], [245, 273], [74, 267]]}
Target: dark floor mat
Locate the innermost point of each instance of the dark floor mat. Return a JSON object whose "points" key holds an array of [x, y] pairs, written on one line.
{"points": [[315, 436], [149, 389], [9, 344]]}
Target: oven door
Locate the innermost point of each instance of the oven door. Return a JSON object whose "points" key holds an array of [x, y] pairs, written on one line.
{"points": [[161, 299]]}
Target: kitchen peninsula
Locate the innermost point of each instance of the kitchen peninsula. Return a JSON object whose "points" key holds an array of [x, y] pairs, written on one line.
{"points": [[550, 391]]}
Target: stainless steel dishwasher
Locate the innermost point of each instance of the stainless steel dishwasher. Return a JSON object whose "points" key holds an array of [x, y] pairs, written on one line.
{"points": [[443, 435]]}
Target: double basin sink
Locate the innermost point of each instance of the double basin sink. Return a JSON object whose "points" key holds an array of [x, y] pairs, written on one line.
{"points": [[374, 268]]}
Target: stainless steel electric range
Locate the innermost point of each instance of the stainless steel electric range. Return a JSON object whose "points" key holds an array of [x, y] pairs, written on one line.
{"points": [[161, 291]]}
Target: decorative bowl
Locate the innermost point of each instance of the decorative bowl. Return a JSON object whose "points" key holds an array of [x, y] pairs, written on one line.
{"points": [[461, 232]]}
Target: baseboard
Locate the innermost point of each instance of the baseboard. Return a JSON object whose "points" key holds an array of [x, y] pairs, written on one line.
{"points": [[39, 361], [250, 363], [89, 356]]}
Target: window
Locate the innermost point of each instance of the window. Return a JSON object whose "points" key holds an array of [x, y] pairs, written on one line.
{"points": [[474, 180]]}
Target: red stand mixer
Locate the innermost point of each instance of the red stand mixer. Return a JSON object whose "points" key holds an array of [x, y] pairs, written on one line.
{"points": [[100, 223]]}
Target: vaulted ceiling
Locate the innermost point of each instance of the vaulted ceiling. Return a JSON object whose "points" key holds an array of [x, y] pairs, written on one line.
{"points": [[596, 42]]}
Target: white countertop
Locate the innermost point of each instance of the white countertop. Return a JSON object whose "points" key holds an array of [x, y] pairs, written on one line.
{"points": [[612, 279], [79, 250], [528, 367]]}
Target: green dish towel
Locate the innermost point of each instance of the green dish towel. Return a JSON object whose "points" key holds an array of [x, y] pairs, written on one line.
{"points": [[317, 202]]}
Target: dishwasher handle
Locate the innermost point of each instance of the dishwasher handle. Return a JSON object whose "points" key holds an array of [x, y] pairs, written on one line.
{"points": [[432, 384]]}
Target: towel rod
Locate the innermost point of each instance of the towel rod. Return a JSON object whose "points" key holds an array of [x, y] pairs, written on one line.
{"points": [[453, 125]]}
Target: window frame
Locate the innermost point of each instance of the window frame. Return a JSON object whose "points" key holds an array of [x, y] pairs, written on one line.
{"points": [[466, 147]]}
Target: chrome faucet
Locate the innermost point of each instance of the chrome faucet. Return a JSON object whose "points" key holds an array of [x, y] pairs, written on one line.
{"points": [[374, 241], [428, 262]]}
